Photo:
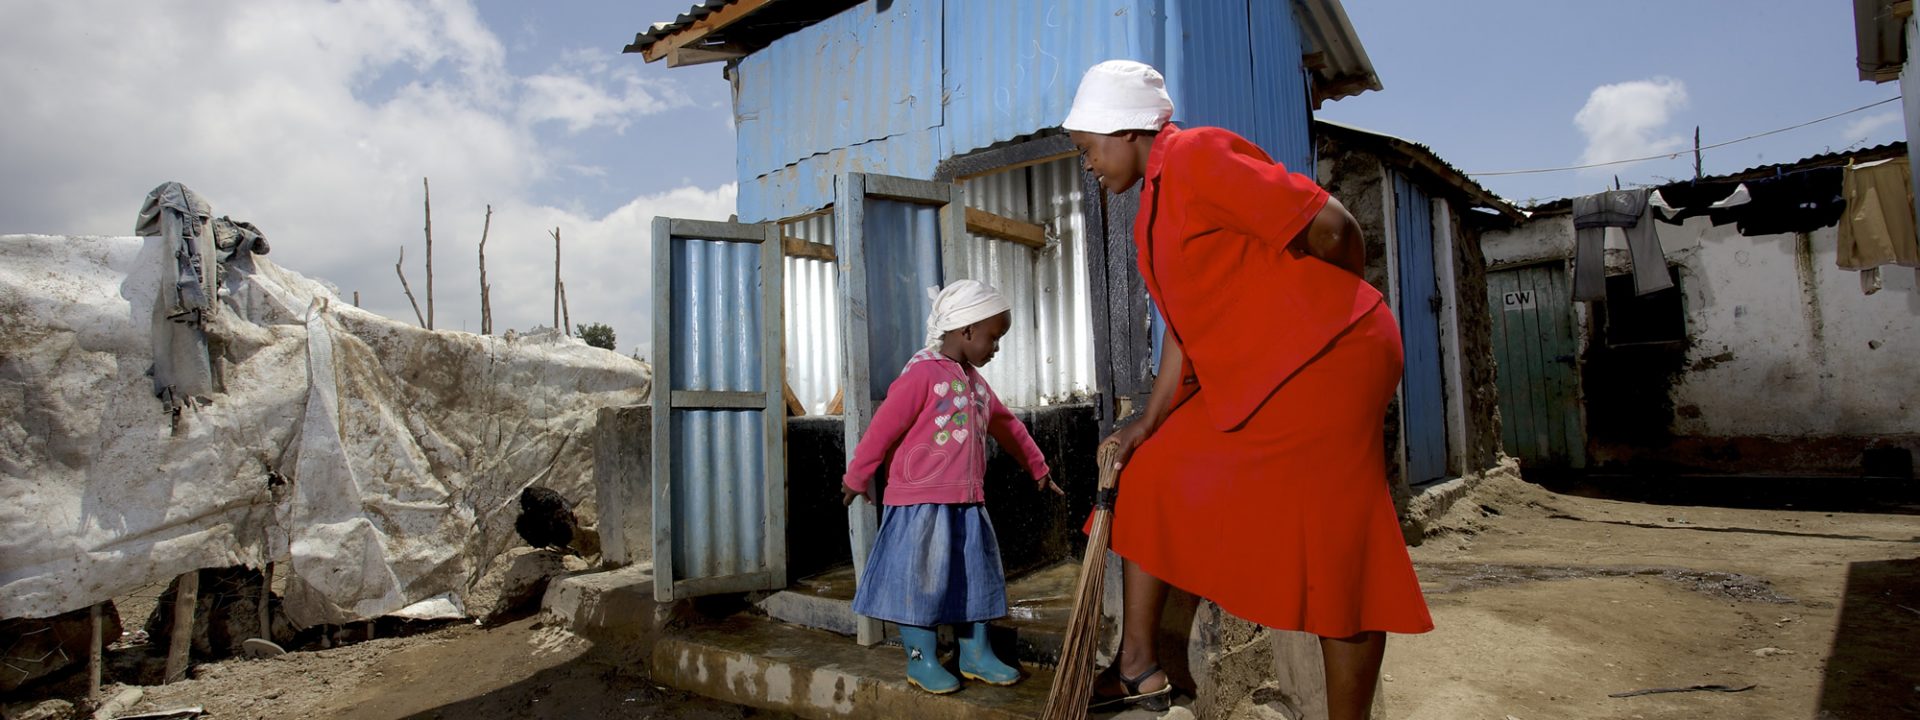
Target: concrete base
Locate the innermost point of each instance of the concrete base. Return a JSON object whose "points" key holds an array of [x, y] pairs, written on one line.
{"points": [[612, 606], [1038, 603], [813, 674]]}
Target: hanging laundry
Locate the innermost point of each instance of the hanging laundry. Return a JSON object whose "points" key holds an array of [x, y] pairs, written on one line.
{"points": [[1878, 226], [182, 366], [1626, 209], [1796, 202], [1678, 201]]}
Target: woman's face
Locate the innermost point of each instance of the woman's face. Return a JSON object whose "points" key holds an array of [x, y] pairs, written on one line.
{"points": [[1114, 159]]}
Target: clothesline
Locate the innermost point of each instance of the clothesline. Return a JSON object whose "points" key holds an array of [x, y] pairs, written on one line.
{"points": [[1670, 155]]}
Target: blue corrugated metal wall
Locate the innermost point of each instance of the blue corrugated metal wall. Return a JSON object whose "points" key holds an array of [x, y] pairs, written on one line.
{"points": [[717, 513], [898, 91]]}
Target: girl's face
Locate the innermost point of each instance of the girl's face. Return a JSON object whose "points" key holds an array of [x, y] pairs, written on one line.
{"points": [[979, 342], [1114, 159]]}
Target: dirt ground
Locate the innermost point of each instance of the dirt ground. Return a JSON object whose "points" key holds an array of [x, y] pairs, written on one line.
{"points": [[1546, 604]]}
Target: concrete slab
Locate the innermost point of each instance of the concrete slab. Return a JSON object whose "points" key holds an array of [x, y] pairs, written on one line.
{"points": [[814, 674], [1039, 605], [615, 605]]}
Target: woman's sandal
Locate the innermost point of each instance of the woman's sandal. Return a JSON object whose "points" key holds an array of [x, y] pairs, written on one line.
{"points": [[1156, 701]]}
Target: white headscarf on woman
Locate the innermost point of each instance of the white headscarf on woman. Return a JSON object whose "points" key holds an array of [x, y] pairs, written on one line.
{"points": [[1120, 95], [962, 303]]}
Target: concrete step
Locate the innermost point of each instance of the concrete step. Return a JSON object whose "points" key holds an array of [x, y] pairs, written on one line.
{"points": [[773, 665], [1038, 607]]}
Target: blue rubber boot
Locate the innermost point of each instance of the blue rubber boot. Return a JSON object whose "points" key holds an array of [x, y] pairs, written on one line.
{"points": [[923, 662], [977, 661]]}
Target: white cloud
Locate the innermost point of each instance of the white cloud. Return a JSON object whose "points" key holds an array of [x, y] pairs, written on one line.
{"points": [[1629, 119], [268, 108], [588, 90], [1867, 128]]}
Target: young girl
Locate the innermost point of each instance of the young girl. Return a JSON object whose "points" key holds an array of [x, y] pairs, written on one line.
{"points": [[935, 560]]}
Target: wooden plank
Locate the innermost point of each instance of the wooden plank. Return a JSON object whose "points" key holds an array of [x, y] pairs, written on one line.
{"points": [[682, 57], [663, 420], [855, 387], [186, 593], [1001, 227], [1024, 164], [722, 231], [773, 356], [924, 192], [802, 248], [795, 408], [93, 655], [838, 406], [695, 587], [700, 29], [720, 400]]}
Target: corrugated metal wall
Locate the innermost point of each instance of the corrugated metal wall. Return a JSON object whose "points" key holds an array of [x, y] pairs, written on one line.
{"points": [[1012, 66], [813, 317], [1047, 356], [718, 520], [897, 92]]}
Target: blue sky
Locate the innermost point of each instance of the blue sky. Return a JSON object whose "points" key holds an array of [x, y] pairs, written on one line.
{"points": [[317, 119], [1497, 84]]}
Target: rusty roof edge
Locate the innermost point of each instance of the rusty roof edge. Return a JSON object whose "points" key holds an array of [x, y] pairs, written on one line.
{"points": [[1424, 156], [1325, 29], [1878, 28]]}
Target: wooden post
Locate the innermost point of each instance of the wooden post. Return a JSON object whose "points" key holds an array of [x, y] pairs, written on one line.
{"points": [[356, 298], [1696, 152], [408, 289], [429, 206], [186, 593], [556, 280], [93, 657], [266, 601], [486, 301]]}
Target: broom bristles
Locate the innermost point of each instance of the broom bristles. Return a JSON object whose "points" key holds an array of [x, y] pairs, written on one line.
{"points": [[1073, 679]]}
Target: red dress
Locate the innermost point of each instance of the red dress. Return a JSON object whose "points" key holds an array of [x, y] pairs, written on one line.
{"points": [[1266, 492]]}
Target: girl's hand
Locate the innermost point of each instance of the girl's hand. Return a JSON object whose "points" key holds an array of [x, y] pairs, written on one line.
{"points": [[1128, 439], [847, 495], [1047, 483]]}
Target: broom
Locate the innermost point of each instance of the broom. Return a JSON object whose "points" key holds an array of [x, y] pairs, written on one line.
{"points": [[1073, 679]]}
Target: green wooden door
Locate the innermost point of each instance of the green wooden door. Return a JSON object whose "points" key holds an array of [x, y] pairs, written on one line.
{"points": [[1534, 345]]}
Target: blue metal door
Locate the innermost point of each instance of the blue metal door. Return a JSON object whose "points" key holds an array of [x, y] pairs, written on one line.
{"points": [[1423, 409], [719, 470]]}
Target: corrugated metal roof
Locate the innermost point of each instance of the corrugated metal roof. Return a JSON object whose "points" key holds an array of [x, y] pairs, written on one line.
{"points": [[1334, 54], [1879, 33], [1879, 152], [1338, 62], [1423, 157]]}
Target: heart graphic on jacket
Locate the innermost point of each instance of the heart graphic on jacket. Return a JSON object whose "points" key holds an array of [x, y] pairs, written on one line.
{"points": [[920, 464]]}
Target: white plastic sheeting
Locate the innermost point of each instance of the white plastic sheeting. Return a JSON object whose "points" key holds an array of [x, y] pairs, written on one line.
{"points": [[378, 463]]}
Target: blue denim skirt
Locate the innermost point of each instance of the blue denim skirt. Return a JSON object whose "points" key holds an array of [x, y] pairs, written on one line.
{"points": [[933, 564]]}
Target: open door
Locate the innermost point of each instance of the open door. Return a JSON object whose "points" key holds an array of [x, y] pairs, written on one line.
{"points": [[890, 234], [719, 470]]}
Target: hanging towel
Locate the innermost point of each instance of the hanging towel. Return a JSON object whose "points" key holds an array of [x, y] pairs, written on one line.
{"points": [[1626, 209], [1878, 227]]}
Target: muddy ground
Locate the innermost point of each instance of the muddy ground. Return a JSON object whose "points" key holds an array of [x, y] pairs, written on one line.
{"points": [[1546, 605]]}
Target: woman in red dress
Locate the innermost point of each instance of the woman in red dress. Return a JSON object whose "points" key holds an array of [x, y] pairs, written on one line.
{"points": [[1256, 476]]}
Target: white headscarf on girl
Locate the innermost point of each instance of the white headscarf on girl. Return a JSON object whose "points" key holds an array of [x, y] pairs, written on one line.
{"points": [[962, 303]]}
